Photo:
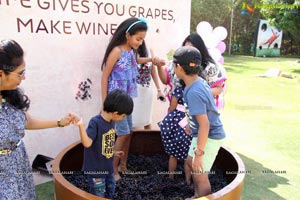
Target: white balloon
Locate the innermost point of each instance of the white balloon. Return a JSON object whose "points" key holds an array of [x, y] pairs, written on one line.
{"points": [[204, 28], [220, 32], [215, 54], [210, 41], [206, 40]]}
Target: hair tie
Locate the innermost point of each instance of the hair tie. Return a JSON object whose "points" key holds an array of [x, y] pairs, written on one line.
{"points": [[140, 19]]}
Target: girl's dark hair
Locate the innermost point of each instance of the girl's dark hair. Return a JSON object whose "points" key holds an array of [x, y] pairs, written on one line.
{"points": [[119, 37], [118, 101], [11, 57], [197, 42], [142, 51], [182, 83]]}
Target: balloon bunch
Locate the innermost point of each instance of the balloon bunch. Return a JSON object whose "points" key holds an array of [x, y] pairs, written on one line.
{"points": [[213, 39]]}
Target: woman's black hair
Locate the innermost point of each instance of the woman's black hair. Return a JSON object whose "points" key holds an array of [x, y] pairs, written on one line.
{"points": [[11, 57], [182, 83], [119, 36], [197, 42]]}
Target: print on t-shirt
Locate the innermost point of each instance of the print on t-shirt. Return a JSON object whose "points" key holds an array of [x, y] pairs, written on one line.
{"points": [[108, 140]]}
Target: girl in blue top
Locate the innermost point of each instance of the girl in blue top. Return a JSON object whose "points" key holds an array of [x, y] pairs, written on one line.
{"points": [[119, 68]]}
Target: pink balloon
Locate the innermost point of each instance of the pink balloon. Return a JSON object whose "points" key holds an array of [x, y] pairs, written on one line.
{"points": [[221, 60], [221, 46]]}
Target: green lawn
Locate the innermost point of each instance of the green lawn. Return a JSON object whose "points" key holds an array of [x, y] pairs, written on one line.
{"points": [[45, 191], [261, 118]]}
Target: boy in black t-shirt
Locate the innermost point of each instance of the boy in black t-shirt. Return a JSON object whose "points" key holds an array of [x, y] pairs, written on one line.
{"points": [[99, 139]]}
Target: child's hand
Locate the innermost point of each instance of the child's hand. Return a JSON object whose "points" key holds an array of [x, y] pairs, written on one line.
{"points": [[157, 61], [161, 62], [65, 121], [188, 130], [160, 95], [197, 164], [119, 153], [75, 119]]}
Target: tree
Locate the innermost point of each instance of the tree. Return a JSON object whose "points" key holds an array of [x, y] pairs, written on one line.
{"points": [[245, 27], [215, 12], [218, 13], [286, 16]]}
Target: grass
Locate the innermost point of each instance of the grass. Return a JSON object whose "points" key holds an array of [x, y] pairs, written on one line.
{"points": [[45, 191], [261, 119]]}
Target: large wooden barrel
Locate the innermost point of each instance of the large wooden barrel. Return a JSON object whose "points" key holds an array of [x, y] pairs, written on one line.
{"points": [[144, 142]]}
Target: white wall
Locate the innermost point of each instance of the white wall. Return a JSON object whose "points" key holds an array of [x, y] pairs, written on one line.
{"points": [[58, 57]]}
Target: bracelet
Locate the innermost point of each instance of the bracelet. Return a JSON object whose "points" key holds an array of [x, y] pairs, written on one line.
{"points": [[58, 123], [198, 152]]}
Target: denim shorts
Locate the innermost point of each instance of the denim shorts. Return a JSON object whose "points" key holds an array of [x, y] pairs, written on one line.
{"points": [[102, 187], [124, 127]]}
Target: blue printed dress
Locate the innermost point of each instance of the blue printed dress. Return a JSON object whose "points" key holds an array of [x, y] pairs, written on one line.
{"points": [[16, 180], [175, 140], [123, 76], [124, 73]]}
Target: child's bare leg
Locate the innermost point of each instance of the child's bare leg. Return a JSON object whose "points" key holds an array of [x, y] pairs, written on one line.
{"points": [[201, 184], [172, 166], [126, 146], [187, 172], [119, 145], [189, 165]]}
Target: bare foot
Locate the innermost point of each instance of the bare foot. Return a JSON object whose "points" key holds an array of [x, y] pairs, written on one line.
{"points": [[122, 168], [188, 182]]}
